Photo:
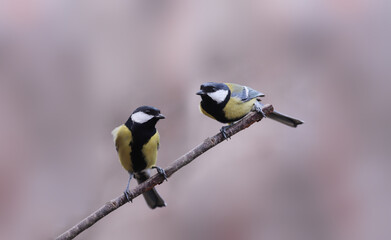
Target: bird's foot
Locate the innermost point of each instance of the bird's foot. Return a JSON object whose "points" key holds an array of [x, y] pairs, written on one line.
{"points": [[258, 107], [127, 195], [224, 133], [161, 172]]}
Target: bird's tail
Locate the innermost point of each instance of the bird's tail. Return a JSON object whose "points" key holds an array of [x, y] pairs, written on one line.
{"points": [[284, 119], [279, 117], [152, 197]]}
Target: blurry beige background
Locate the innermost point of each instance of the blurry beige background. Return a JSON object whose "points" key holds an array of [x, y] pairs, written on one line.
{"points": [[71, 71]]}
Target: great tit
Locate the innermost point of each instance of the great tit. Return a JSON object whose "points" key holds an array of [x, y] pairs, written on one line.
{"points": [[229, 102], [137, 143]]}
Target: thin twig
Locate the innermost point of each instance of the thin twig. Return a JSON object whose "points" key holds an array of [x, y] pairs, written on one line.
{"points": [[158, 179]]}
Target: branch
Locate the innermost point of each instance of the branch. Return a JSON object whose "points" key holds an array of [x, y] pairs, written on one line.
{"points": [[208, 143]]}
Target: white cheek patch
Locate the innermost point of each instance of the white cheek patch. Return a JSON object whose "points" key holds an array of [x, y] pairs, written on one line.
{"points": [[141, 117], [218, 96]]}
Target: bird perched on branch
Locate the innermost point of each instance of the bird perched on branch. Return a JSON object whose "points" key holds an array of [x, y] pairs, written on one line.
{"points": [[137, 143], [229, 102]]}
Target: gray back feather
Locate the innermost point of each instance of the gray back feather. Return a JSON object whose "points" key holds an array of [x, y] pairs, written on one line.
{"points": [[243, 92]]}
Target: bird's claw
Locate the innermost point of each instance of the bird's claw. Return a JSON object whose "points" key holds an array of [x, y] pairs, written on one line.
{"points": [[258, 107], [126, 193], [223, 132], [263, 114], [161, 172]]}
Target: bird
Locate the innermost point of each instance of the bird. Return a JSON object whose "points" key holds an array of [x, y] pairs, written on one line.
{"points": [[229, 102], [137, 144]]}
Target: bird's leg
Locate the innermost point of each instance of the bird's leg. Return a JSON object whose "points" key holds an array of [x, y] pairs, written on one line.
{"points": [[258, 107], [161, 171], [126, 193], [224, 133]]}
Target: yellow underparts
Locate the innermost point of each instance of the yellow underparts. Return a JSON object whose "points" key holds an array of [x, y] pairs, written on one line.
{"points": [[150, 150], [123, 137], [236, 109]]}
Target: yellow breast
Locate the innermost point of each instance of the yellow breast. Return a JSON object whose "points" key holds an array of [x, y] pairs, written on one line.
{"points": [[123, 137], [150, 150]]}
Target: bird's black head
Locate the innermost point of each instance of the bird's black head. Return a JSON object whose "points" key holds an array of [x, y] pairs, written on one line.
{"points": [[218, 92], [145, 116]]}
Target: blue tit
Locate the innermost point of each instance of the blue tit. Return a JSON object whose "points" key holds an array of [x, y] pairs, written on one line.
{"points": [[229, 102], [137, 143]]}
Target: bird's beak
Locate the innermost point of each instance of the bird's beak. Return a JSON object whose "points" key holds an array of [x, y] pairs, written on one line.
{"points": [[200, 92], [160, 116]]}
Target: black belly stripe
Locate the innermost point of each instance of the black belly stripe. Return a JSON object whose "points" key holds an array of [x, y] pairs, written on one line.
{"points": [[137, 157], [140, 138]]}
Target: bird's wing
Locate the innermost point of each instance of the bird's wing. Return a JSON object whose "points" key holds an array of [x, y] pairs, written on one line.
{"points": [[122, 137], [243, 93], [115, 136]]}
